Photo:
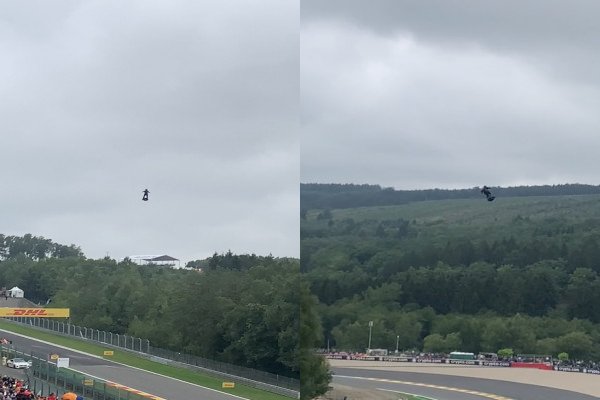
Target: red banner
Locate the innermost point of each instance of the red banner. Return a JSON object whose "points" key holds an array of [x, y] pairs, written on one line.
{"points": [[531, 365]]}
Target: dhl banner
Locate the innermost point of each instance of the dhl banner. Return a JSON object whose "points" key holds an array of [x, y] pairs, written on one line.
{"points": [[35, 312]]}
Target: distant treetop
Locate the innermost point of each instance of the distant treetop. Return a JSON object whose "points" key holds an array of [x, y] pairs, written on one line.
{"points": [[336, 196], [234, 262], [35, 247]]}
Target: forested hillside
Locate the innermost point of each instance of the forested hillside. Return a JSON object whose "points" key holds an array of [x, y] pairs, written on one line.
{"points": [[244, 309], [316, 195], [519, 272]]}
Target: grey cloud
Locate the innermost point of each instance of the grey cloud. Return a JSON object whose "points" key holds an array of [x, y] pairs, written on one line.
{"points": [[198, 101], [560, 37], [392, 95]]}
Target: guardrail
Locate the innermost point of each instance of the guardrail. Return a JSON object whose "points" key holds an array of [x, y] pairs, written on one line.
{"points": [[279, 384]]}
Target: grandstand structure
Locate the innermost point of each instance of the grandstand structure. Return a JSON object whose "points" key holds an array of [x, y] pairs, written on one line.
{"points": [[157, 259]]}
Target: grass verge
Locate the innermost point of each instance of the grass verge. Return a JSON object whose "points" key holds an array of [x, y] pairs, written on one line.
{"points": [[127, 358], [406, 396]]}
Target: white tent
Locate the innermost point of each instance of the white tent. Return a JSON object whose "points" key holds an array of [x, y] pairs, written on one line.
{"points": [[16, 292]]}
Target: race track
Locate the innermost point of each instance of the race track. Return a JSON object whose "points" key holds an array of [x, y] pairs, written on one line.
{"points": [[158, 385], [445, 386]]}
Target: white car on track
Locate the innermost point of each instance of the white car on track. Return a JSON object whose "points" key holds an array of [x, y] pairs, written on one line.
{"points": [[18, 363]]}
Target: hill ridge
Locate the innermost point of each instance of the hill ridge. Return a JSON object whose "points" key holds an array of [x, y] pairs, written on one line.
{"points": [[338, 196]]}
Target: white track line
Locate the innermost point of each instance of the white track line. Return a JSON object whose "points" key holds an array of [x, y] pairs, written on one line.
{"points": [[125, 365], [432, 386]]}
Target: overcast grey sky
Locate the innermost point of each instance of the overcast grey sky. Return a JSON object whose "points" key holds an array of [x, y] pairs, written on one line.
{"points": [[450, 93], [195, 100]]}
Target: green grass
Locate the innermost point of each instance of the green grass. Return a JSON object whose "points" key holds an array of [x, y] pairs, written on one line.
{"points": [[134, 361], [406, 396]]}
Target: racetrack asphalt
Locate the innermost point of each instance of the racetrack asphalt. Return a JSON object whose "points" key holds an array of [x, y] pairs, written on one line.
{"points": [[157, 385], [412, 382]]}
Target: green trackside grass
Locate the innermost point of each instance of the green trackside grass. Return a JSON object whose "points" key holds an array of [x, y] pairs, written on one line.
{"points": [[126, 358], [405, 396]]}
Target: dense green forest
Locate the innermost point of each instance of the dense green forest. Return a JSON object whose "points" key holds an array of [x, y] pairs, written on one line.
{"points": [[243, 309], [521, 272], [323, 196]]}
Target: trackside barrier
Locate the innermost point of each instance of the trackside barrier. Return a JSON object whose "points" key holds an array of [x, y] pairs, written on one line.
{"points": [[593, 371], [279, 384], [260, 385], [45, 377], [532, 365], [483, 363]]}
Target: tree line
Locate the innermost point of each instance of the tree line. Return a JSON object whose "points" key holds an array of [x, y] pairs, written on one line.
{"points": [[337, 196], [35, 248], [245, 316]]}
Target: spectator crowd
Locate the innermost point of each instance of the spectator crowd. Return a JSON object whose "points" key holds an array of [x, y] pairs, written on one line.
{"points": [[15, 389]]}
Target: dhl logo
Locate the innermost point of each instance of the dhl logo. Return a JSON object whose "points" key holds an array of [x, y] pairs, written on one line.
{"points": [[18, 312], [35, 312]]}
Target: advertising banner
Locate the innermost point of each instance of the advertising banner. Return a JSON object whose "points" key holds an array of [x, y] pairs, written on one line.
{"points": [[567, 369], [495, 363], [396, 359], [430, 360], [462, 362], [35, 312]]}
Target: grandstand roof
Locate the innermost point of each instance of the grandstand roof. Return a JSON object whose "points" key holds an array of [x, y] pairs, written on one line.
{"points": [[150, 258]]}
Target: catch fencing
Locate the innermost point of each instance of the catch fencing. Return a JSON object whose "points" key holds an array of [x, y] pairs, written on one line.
{"points": [[262, 380]]}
